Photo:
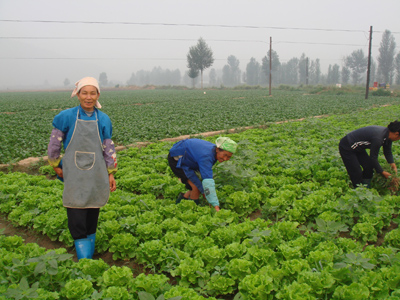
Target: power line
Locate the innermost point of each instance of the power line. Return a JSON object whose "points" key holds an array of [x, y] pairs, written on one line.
{"points": [[183, 24], [121, 38], [130, 58], [92, 58], [170, 39]]}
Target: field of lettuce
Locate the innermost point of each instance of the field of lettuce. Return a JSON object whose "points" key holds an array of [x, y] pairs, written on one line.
{"points": [[316, 238], [150, 115]]}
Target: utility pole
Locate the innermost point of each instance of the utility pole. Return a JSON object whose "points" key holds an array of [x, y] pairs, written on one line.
{"points": [[369, 63], [270, 64]]}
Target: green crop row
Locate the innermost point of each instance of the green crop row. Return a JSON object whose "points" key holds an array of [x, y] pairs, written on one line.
{"points": [[149, 115]]}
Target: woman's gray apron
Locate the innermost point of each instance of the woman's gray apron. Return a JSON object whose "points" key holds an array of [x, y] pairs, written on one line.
{"points": [[86, 183]]}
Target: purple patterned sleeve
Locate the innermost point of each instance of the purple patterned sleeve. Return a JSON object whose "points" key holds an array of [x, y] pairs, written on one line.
{"points": [[54, 147], [110, 156]]}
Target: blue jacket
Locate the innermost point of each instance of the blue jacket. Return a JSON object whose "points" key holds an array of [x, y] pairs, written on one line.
{"points": [[65, 122], [197, 156]]}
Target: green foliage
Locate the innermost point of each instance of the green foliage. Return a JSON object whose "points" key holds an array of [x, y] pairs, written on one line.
{"points": [[153, 284], [256, 286], [123, 245], [78, 289], [292, 171], [356, 291], [392, 238], [23, 290], [381, 92], [117, 277], [231, 109], [190, 272]]}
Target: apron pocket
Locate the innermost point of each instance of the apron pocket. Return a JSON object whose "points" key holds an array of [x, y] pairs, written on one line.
{"points": [[84, 160]]}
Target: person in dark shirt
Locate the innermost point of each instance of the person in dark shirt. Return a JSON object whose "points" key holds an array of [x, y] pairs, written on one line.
{"points": [[359, 165]]}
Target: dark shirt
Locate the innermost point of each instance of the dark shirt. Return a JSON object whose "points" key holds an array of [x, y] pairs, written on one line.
{"points": [[373, 138]]}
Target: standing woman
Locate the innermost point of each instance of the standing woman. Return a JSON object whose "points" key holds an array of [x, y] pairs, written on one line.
{"points": [[88, 165], [189, 156], [359, 165]]}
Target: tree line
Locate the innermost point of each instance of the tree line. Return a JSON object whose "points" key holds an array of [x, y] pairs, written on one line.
{"points": [[302, 70], [297, 70]]}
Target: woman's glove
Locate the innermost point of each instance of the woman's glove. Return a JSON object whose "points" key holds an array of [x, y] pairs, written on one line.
{"points": [[209, 192]]}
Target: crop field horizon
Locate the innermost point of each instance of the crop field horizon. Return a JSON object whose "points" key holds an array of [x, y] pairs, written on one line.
{"points": [[151, 115]]}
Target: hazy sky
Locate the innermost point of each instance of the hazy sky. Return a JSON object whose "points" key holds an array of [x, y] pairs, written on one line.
{"points": [[85, 38]]}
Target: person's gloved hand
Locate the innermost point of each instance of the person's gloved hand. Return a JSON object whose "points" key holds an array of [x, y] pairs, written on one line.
{"points": [[209, 192]]}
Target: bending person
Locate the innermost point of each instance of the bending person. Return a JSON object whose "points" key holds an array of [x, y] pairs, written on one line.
{"points": [[359, 165], [189, 156], [88, 164]]}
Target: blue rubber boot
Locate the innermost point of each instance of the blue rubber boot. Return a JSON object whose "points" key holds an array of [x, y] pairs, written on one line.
{"points": [[92, 238], [83, 248]]}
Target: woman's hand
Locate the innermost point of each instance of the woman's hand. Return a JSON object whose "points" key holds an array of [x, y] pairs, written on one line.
{"points": [[216, 208], [394, 168], [113, 184], [59, 172], [386, 174]]}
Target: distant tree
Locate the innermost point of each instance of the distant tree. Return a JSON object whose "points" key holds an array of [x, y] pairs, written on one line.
{"points": [[323, 78], [212, 77], [233, 63], [175, 77], [302, 69], [253, 72], [66, 82], [317, 71], [329, 75], [193, 73], [314, 72], [372, 73], [289, 71], [231, 72], [397, 67], [275, 65], [311, 73], [386, 57], [244, 77], [142, 77], [333, 76], [199, 58], [345, 75], [103, 81], [357, 62], [226, 76], [156, 76], [132, 80]]}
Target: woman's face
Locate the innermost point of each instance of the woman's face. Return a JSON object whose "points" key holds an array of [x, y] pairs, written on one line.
{"points": [[223, 155], [88, 96]]}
